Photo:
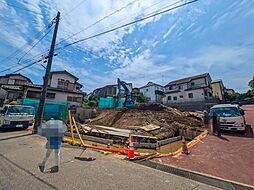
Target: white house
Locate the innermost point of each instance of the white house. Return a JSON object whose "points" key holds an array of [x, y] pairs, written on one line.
{"points": [[190, 89], [62, 87], [153, 91]]}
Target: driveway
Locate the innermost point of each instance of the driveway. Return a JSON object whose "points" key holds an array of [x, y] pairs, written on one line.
{"points": [[229, 156]]}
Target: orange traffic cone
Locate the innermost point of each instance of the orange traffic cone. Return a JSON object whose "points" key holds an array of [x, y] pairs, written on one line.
{"points": [[131, 148]]}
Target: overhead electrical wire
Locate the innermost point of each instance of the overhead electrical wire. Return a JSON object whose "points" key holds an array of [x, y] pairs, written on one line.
{"points": [[111, 14], [35, 57], [130, 23], [113, 29], [73, 8], [22, 48], [98, 21], [135, 15], [35, 44]]}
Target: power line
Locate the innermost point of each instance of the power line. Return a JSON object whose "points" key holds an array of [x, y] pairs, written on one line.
{"points": [[29, 65], [20, 49], [113, 29], [15, 65], [50, 29], [9, 4], [28, 60], [98, 21], [130, 23], [73, 8], [135, 15]]}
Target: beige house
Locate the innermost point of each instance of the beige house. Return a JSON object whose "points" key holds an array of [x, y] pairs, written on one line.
{"points": [[218, 89], [190, 89], [63, 87], [14, 84]]}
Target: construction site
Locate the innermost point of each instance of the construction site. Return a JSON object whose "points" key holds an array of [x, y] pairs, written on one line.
{"points": [[152, 125]]}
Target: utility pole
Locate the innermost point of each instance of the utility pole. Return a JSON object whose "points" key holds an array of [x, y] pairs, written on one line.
{"points": [[39, 115]]}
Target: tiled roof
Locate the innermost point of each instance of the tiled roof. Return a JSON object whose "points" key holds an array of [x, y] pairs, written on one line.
{"points": [[188, 79]]}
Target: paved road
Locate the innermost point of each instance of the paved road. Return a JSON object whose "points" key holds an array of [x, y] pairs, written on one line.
{"points": [[229, 157], [18, 170]]}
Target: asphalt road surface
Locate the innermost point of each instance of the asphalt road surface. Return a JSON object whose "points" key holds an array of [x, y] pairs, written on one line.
{"points": [[20, 155]]}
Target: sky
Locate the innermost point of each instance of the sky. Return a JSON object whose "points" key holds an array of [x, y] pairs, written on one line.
{"points": [[214, 36]]}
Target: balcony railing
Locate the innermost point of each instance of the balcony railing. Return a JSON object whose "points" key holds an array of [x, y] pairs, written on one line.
{"points": [[68, 86]]}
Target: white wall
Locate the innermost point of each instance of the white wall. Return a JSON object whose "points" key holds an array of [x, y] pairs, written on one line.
{"points": [[149, 92], [198, 95], [56, 76], [62, 97]]}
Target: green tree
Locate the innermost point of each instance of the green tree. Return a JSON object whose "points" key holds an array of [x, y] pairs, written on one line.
{"points": [[251, 84], [232, 96], [91, 102], [242, 97], [142, 98]]}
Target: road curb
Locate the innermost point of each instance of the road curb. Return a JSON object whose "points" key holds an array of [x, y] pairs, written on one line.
{"points": [[14, 136], [196, 176]]}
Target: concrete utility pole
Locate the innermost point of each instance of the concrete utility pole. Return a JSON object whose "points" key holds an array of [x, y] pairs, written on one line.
{"points": [[39, 115]]}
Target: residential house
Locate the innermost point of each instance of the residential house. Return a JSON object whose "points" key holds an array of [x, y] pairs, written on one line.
{"points": [[190, 89], [218, 90], [109, 90], [14, 84], [62, 87], [153, 91]]}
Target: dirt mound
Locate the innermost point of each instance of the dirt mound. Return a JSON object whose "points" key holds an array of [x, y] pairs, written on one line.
{"points": [[149, 119]]}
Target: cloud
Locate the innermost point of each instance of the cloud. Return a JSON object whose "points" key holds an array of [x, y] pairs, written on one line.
{"points": [[223, 62], [143, 67], [169, 31]]}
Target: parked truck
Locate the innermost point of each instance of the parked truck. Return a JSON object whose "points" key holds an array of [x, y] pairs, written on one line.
{"points": [[16, 116], [231, 116]]}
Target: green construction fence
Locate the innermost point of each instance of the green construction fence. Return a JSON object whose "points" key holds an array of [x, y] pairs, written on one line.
{"points": [[110, 103], [56, 110]]}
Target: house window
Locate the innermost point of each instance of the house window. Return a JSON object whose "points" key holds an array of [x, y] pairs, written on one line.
{"points": [[79, 99], [181, 96], [147, 89], [50, 95], [180, 87], [175, 98], [74, 99], [60, 83], [169, 97], [170, 87], [33, 94], [69, 98], [19, 82], [192, 83], [190, 95]]}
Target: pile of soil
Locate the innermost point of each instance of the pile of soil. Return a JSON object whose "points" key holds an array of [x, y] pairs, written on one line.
{"points": [[168, 120]]}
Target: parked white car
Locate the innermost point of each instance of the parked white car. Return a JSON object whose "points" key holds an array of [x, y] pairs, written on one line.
{"points": [[231, 116]]}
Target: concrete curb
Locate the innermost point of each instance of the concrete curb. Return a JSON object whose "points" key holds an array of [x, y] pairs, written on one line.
{"points": [[196, 176], [14, 136]]}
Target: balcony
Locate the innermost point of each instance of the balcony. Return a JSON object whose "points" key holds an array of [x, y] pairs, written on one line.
{"points": [[67, 86]]}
